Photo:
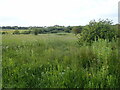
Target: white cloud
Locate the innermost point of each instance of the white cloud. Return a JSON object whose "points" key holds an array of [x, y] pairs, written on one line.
{"points": [[51, 12]]}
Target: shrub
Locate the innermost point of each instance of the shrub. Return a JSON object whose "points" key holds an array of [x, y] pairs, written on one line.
{"points": [[36, 32], [67, 30], [54, 31], [26, 32], [102, 29], [16, 32], [76, 29], [4, 32]]}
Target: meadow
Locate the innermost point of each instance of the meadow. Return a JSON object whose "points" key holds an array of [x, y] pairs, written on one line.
{"points": [[11, 30], [57, 61]]}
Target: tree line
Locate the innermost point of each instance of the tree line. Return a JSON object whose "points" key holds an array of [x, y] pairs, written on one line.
{"points": [[94, 30], [42, 30]]}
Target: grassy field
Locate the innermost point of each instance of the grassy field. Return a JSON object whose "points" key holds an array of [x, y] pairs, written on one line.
{"points": [[10, 31], [57, 61]]}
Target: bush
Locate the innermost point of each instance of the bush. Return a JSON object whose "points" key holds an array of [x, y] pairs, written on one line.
{"points": [[16, 32], [54, 31], [26, 32], [102, 29], [4, 32], [67, 30], [76, 29], [36, 32]]}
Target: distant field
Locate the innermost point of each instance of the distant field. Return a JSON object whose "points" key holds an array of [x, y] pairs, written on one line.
{"points": [[57, 61], [11, 30]]}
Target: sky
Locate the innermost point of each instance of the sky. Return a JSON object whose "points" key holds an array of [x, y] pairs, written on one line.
{"points": [[56, 12]]}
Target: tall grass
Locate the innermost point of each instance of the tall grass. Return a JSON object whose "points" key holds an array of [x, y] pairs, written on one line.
{"points": [[56, 61]]}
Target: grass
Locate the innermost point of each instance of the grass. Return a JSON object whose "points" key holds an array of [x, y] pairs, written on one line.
{"points": [[57, 61], [10, 31]]}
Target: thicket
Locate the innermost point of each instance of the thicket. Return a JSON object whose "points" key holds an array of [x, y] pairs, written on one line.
{"points": [[39, 30], [77, 29], [16, 32], [102, 29]]}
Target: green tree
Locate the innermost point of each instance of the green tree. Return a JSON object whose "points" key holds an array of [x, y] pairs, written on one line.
{"points": [[40, 30], [76, 29], [54, 31], [16, 32], [67, 30], [102, 29], [26, 32], [4, 32], [36, 31]]}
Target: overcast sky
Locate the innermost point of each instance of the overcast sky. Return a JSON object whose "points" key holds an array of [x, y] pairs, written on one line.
{"points": [[56, 12]]}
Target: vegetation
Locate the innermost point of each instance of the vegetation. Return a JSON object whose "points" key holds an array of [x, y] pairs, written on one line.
{"points": [[58, 61], [102, 29], [39, 30], [76, 29], [36, 31], [26, 32], [16, 32], [4, 32]]}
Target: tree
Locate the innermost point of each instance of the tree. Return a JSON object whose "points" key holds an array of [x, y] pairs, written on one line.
{"points": [[40, 30], [36, 32], [4, 32], [54, 31], [26, 32], [16, 32], [76, 29], [102, 29], [67, 30]]}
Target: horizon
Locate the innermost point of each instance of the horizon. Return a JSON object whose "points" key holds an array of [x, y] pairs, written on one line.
{"points": [[49, 26]]}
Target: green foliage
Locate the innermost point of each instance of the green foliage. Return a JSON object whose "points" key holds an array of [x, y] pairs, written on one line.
{"points": [[67, 30], [4, 33], [54, 31], [76, 29], [95, 30], [56, 61], [26, 32], [36, 31], [16, 32]]}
